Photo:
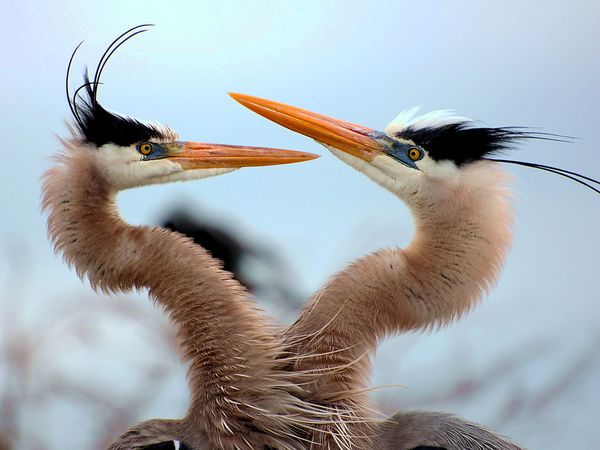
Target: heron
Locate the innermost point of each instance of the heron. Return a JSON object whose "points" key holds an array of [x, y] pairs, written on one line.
{"points": [[241, 397], [446, 170]]}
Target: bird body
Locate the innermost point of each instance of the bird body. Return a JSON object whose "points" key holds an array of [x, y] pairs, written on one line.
{"points": [[420, 430], [442, 168], [241, 398], [219, 327]]}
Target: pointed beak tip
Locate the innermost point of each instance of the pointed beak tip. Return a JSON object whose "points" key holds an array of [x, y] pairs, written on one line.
{"points": [[238, 97], [311, 156]]}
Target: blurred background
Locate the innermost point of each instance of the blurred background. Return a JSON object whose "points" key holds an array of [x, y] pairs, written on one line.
{"points": [[80, 367]]}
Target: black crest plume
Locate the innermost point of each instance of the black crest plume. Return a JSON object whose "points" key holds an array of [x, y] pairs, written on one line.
{"points": [[95, 124], [462, 143]]}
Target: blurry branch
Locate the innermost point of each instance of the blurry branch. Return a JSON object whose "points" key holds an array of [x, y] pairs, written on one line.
{"points": [[472, 385], [30, 347], [122, 412], [522, 402], [128, 412], [13, 347]]}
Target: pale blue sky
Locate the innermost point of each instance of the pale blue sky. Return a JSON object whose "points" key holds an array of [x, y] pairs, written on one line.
{"points": [[531, 63]]}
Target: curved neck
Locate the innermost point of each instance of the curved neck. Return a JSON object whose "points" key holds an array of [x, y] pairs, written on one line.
{"points": [[455, 255], [231, 349]]}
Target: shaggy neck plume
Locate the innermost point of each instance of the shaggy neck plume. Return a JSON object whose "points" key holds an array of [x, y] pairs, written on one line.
{"points": [[239, 397], [458, 248]]}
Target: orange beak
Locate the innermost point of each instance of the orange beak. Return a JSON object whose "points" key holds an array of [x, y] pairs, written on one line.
{"points": [[196, 155], [359, 141]]}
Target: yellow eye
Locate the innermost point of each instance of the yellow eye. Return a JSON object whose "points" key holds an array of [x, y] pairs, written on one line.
{"points": [[145, 148], [415, 154]]}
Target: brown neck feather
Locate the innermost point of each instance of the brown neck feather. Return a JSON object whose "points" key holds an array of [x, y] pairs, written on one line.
{"points": [[236, 387], [455, 256]]}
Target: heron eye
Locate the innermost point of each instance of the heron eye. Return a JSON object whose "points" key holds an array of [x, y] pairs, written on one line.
{"points": [[145, 148], [415, 153]]}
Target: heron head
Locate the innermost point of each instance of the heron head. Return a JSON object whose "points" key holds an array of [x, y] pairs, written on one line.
{"points": [[416, 158], [420, 158], [133, 153]]}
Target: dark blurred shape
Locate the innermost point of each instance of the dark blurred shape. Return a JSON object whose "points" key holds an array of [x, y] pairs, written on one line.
{"points": [[4, 445], [169, 445], [428, 448], [221, 243], [254, 265]]}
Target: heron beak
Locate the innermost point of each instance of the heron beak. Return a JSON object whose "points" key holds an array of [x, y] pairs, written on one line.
{"points": [[364, 143], [196, 155]]}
